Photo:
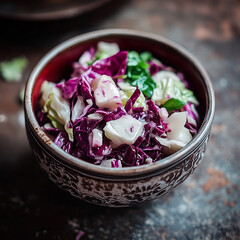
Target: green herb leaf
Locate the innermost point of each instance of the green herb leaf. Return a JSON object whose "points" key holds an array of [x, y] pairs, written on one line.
{"points": [[138, 74], [146, 56], [133, 59], [12, 70], [173, 104]]}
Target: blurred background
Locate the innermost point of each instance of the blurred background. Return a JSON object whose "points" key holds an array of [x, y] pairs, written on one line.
{"points": [[206, 206]]}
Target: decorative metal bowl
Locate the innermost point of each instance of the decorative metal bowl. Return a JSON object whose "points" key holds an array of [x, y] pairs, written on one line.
{"points": [[130, 185]]}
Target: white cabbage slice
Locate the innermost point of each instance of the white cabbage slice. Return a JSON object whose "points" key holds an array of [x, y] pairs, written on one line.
{"points": [[169, 85], [125, 86], [124, 130], [78, 108], [179, 136], [108, 163], [56, 106], [126, 92], [106, 93], [85, 58], [105, 49], [163, 113], [170, 146], [95, 116], [190, 118], [97, 138]]}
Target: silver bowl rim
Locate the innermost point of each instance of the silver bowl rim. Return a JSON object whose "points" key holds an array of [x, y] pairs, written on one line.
{"points": [[126, 171]]}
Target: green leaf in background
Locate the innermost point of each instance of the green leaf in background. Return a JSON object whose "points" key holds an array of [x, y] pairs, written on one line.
{"points": [[173, 104], [138, 74], [12, 70]]}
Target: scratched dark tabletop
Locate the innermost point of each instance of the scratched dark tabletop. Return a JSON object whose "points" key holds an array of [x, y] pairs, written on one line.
{"points": [[205, 206]]}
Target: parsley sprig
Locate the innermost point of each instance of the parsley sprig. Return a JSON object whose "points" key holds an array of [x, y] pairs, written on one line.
{"points": [[138, 74]]}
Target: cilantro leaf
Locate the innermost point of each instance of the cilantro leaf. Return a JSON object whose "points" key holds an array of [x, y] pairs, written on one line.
{"points": [[138, 74], [173, 104], [12, 70]]}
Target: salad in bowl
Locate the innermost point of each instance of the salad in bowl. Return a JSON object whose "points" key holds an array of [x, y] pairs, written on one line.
{"points": [[119, 108]]}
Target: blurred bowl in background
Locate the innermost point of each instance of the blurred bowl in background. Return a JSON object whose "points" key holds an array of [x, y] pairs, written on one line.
{"points": [[44, 10]]}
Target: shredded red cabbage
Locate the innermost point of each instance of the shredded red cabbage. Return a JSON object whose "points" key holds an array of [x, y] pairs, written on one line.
{"points": [[132, 100], [145, 149]]}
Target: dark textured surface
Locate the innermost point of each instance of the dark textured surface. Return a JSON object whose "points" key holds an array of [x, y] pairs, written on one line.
{"points": [[206, 206]]}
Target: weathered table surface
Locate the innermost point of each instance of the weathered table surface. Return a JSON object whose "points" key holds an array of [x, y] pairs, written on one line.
{"points": [[206, 206]]}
